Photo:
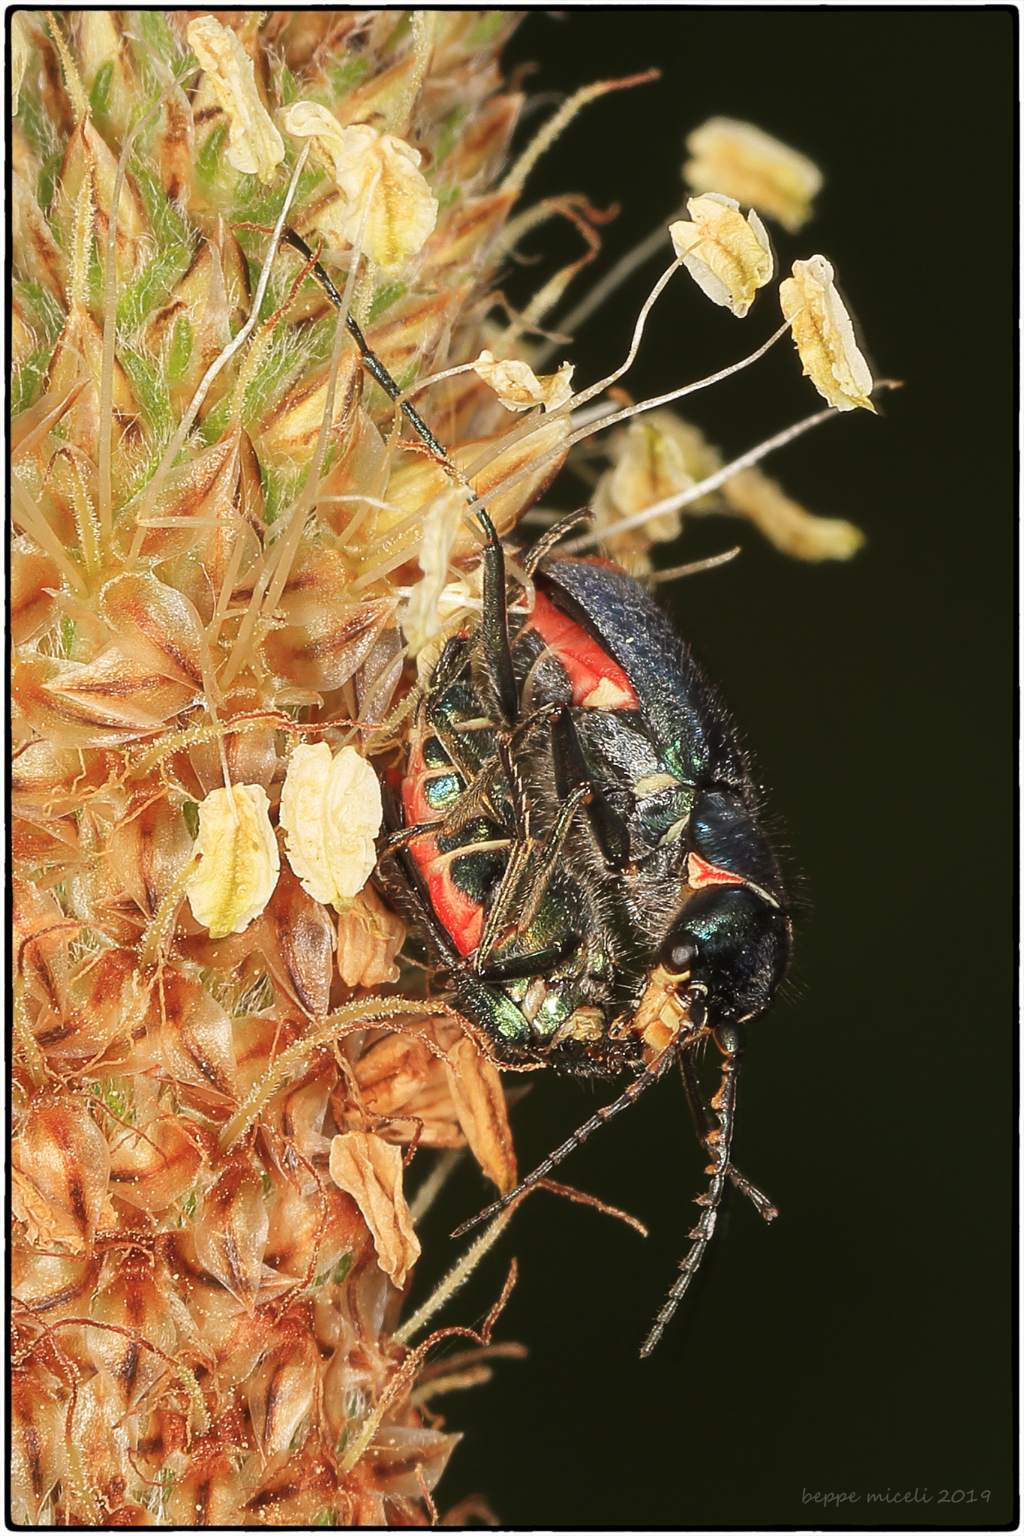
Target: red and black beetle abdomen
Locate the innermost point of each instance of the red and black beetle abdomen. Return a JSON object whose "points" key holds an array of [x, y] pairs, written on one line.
{"points": [[560, 849]]}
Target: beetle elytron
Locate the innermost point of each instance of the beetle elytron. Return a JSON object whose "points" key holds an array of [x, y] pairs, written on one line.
{"points": [[577, 835]]}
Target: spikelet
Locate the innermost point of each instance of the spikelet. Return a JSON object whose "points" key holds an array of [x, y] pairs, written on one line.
{"points": [[231, 558]]}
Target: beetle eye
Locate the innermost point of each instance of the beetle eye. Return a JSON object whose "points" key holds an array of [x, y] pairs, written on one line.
{"points": [[678, 953]]}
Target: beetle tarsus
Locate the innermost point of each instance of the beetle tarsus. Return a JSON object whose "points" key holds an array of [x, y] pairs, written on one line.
{"points": [[705, 1124]]}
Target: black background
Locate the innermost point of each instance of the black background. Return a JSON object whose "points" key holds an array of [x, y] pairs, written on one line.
{"points": [[863, 1344]]}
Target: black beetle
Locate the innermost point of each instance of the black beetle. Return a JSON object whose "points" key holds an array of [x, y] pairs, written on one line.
{"points": [[579, 842], [577, 834]]}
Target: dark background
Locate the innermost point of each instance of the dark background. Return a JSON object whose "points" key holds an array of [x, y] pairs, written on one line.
{"points": [[863, 1344]]}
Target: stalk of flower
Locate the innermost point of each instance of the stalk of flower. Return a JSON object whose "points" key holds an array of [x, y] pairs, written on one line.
{"points": [[259, 398]]}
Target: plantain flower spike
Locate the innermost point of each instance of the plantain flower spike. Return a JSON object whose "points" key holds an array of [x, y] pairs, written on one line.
{"points": [[387, 206], [824, 337], [331, 812], [728, 256], [748, 164], [519, 388], [238, 859]]}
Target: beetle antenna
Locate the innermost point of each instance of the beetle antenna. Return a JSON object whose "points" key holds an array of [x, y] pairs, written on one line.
{"points": [[371, 362], [607, 1112], [377, 371], [719, 1144]]}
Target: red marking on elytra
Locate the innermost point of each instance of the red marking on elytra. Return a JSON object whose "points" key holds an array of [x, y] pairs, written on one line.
{"points": [[461, 917], [585, 663], [700, 873]]}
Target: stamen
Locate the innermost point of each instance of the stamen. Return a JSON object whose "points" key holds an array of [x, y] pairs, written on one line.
{"points": [[703, 487], [637, 256], [638, 331], [627, 414], [672, 394], [557, 124]]}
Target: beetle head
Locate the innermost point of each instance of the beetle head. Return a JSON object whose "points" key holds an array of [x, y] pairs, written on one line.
{"points": [[729, 948]]}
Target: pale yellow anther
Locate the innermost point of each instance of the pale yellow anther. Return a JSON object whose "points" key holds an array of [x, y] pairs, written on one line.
{"points": [[519, 388], [648, 467], [254, 145], [238, 859], [331, 812], [387, 207], [728, 256], [745, 163], [824, 336]]}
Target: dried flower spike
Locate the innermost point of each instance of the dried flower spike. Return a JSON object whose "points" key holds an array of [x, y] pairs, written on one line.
{"points": [[823, 333], [388, 208], [748, 164], [519, 388], [254, 145], [331, 812], [238, 859], [728, 256]]}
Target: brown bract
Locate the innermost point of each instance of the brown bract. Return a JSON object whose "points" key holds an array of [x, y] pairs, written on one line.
{"points": [[369, 939], [370, 1170]]}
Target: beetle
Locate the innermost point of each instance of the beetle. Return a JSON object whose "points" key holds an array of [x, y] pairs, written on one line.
{"points": [[576, 833], [578, 838]]}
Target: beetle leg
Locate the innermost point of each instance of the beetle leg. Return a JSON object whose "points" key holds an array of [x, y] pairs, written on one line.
{"points": [[705, 1123], [522, 846], [476, 798], [541, 879], [531, 558], [474, 801], [609, 829], [475, 998], [497, 650], [719, 1143], [538, 963], [607, 1112], [395, 841]]}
